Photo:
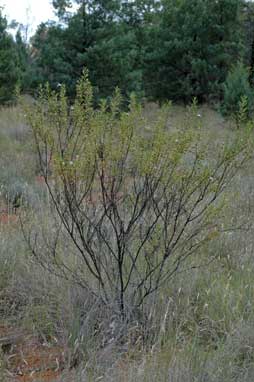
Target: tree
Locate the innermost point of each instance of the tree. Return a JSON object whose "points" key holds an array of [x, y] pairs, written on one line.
{"points": [[163, 49], [103, 8], [23, 62], [115, 61], [49, 60], [8, 63], [191, 48], [129, 205], [103, 36], [248, 32]]}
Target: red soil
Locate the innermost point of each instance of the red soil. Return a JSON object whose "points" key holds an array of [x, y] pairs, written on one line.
{"points": [[6, 218], [40, 179], [42, 376], [29, 360]]}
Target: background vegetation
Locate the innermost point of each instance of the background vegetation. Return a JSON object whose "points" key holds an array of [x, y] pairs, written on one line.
{"points": [[160, 49]]}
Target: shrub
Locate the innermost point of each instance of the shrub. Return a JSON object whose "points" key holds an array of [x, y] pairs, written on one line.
{"points": [[238, 95], [131, 204]]}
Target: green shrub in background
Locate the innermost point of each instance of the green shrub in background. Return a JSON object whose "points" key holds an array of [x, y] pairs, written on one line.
{"points": [[238, 94]]}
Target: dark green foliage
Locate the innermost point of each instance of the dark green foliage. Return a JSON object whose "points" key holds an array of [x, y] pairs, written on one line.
{"points": [[9, 73], [49, 56], [115, 62], [163, 49], [192, 47], [236, 89], [160, 49], [248, 34], [107, 37], [24, 66]]}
